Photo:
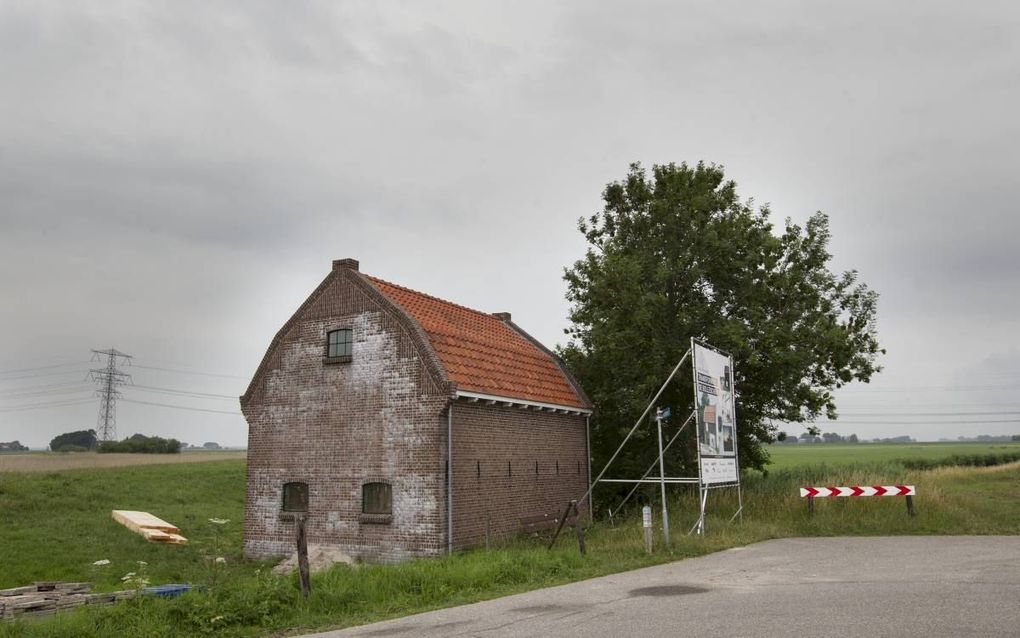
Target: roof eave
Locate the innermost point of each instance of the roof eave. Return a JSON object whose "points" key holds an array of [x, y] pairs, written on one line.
{"points": [[492, 399]]}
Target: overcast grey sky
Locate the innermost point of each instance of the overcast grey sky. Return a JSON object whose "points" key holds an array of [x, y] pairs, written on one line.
{"points": [[175, 178]]}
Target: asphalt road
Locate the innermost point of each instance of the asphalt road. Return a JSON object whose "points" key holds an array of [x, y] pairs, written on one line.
{"points": [[900, 586]]}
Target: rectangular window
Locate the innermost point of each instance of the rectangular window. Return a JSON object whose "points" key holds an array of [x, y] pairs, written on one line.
{"points": [[295, 497], [339, 345], [376, 498]]}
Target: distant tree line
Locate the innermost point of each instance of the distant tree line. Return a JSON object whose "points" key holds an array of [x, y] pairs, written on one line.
{"points": [[989, 438], [895, 439], [827, 437], [12, 446], [85, 440], [80, 441], [208, 445], [139, 443]]}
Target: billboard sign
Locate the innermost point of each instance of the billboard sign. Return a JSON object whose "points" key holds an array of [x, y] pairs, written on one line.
{"points": [[717, 424]]}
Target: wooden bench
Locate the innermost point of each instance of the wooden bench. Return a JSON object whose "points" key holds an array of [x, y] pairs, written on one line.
{"points": [[544, 523]]}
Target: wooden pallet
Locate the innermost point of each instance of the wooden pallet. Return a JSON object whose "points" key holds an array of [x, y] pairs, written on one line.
{"points": [[48, 598]]}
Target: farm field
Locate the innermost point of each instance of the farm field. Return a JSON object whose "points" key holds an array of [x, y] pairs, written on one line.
{"points": [[799, 454], [57, 461], [55, 525]]}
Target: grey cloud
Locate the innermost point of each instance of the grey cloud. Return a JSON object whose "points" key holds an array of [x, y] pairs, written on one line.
{"points": [[174, 179]]}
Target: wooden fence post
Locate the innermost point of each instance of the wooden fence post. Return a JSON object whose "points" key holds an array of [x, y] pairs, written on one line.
{"points": [[302, 556]]}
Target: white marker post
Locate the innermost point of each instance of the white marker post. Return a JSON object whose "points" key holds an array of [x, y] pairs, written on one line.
{"points": [[646, 520]]}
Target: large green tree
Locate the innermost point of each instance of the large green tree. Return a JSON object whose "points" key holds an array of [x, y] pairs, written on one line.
{"points": [[675, 255]]}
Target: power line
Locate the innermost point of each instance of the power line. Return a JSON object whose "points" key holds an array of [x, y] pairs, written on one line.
{"points": [[150, 388], [43, 393], [927, 414], [41, 374], [204, 374], [56, 365], [180, 407], [953, 422], [38, 406], [947, 406], [43, 388], [932, 388]]}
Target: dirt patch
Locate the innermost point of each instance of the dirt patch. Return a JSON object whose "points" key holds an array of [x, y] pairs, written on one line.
{"points": [[320, 557], [57, 461]]}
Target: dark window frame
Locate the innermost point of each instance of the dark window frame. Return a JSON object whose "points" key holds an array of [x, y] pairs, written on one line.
{"points": [[377, 502], [290, 491], [339, 346]]}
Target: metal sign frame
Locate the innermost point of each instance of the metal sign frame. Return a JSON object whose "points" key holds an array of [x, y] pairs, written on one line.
{"points": [[704, 486], [663, 480]]}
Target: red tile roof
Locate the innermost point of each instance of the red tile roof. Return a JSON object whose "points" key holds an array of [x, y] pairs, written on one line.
{"points": [[481, 353]]}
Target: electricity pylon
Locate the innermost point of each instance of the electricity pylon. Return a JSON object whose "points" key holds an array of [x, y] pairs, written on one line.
{"points": [[108, 379]]}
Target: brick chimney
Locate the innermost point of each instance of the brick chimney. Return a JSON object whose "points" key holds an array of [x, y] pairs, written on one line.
{"points": [[348, 263]]}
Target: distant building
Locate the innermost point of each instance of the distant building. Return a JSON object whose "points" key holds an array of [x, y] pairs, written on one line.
{"points": [[366, 395]]}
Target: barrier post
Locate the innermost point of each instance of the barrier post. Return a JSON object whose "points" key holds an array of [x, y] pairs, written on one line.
{"points": [[646, 521]]}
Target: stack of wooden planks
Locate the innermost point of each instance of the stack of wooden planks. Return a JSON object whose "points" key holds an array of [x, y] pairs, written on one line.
{"points": [[155, 530], [48, 598]]}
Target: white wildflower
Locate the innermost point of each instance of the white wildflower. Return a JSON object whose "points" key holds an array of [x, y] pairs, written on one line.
{"points": [[141, 563], [220, 560], [101, 562]]}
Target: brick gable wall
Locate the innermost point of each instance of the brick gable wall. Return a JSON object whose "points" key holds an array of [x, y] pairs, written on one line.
{"points": [[338, 426]]}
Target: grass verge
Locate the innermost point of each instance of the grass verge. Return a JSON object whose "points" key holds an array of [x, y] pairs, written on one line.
{"points": [[55, 525]]}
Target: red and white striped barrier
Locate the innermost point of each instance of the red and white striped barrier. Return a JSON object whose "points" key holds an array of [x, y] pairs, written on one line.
{"points": [[858, 490]]}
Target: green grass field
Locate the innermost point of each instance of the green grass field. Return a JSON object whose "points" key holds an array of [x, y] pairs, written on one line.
{"points": [[800, 454], [54, 525]]}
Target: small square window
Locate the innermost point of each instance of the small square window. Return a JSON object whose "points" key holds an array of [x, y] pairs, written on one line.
{"points": [[295, 497], [338, 343], [376, 498]]}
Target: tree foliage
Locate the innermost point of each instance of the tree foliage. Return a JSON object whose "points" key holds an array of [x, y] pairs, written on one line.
{"points": [[74, 441], [139, 443], [675, 255]]}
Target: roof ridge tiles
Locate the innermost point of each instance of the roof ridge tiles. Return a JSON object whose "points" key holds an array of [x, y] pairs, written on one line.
{"points": [[433, 297], [484, 353]]}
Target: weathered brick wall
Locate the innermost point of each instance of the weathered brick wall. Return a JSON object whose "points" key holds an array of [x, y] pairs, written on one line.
{"points": [[338, 426], [510, 463]]}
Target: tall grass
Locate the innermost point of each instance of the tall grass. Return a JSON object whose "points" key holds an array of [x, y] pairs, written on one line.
{"points": [[249, 601]]}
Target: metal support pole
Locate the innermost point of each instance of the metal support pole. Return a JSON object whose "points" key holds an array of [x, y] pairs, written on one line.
{"points": [[699, 525], [636, 425], [740, 499], [662, 479], [910, 505], [651, 467]]}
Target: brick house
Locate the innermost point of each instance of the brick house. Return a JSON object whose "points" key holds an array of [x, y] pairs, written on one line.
{"points": [[365, 395]]}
